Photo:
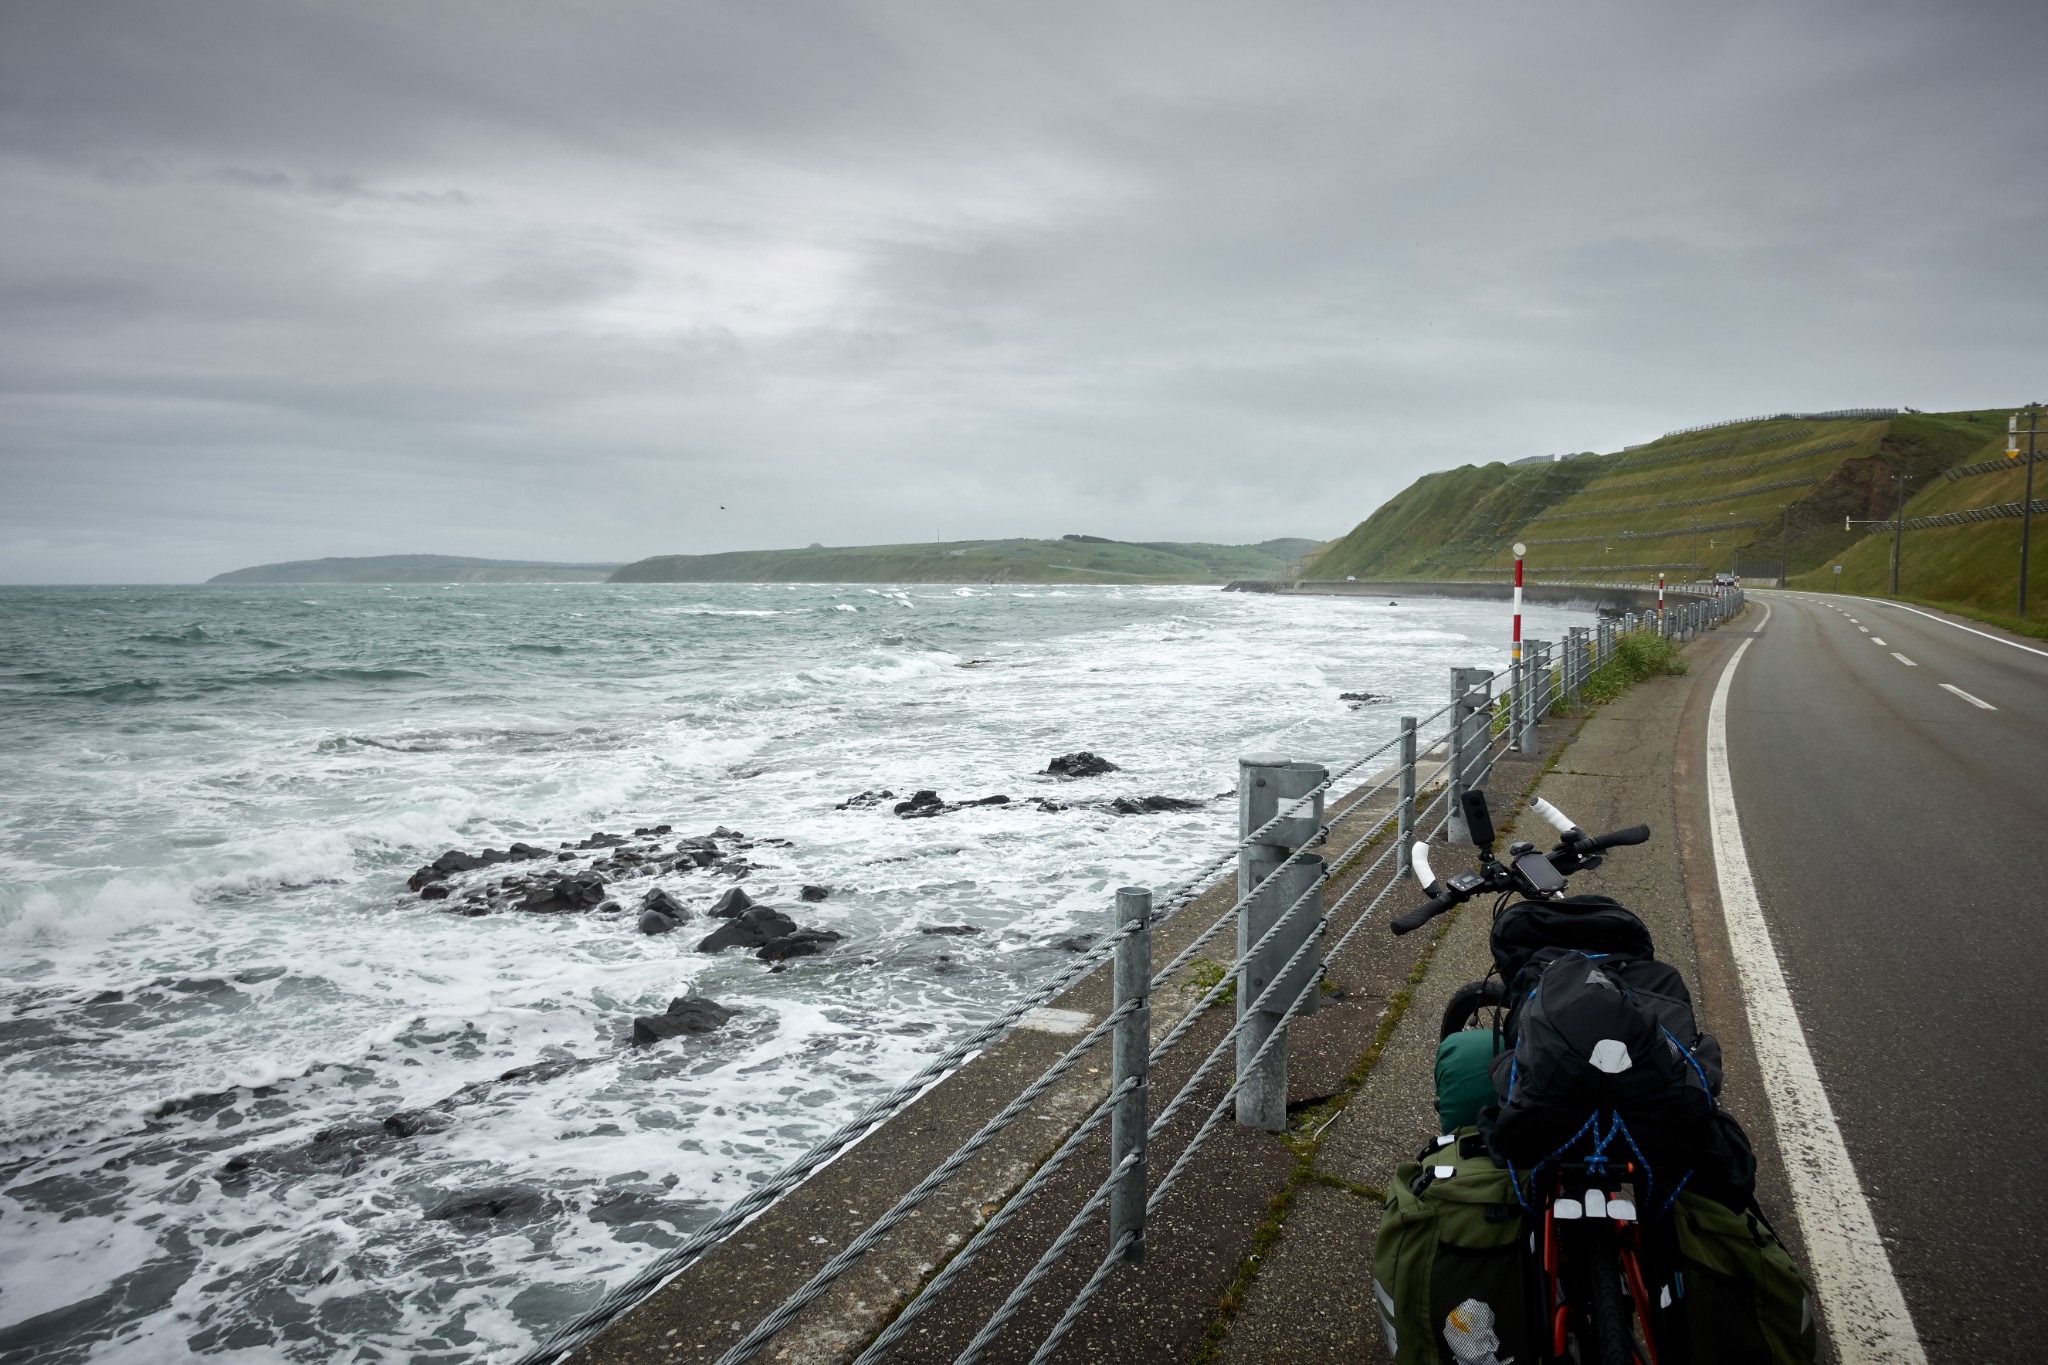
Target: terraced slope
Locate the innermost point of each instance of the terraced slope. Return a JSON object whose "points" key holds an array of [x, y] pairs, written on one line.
{"points": [[1973, 566], [1685, 504]]}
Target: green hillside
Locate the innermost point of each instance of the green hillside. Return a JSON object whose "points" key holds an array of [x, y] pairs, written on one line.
{"points": [[1695, 502], [1072, 559], [1973, 567], [416, 569]]}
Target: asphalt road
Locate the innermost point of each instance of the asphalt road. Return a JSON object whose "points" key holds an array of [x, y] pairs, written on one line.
{"points": [[1898, 835]]}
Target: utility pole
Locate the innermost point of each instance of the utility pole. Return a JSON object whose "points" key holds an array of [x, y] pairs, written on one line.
{"points": [[2026, 499], [1784, 544], [1899, 528]]}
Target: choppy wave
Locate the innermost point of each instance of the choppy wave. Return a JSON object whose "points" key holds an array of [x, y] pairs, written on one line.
{"points": [[216, 986]]}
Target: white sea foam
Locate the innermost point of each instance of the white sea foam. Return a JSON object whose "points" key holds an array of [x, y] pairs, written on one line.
{"points": [[209, 951]]}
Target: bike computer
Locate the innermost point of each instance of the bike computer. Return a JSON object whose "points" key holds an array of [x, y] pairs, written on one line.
{"points": [[1535, 869]]}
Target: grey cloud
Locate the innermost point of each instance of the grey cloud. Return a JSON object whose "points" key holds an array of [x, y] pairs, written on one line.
{"points": [[351, 279]]}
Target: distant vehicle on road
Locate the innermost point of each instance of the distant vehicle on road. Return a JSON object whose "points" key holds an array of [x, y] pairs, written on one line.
{"points": [[1727, 580]]}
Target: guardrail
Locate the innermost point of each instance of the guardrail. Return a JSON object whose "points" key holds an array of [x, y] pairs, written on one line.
{"points": [[1285, 812]]}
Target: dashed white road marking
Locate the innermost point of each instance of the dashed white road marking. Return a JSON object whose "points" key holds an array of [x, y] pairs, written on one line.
{"points": [[1897, 606], [1864, 629], [1866, 1311], [1902, 658], [1874, 640], [1974, 701]]}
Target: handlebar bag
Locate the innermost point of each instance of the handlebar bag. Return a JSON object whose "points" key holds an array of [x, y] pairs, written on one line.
{"points": [[1453, 1233], [1591, 924]]}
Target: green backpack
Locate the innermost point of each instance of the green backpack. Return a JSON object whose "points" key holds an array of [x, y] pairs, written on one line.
{"points": [[1453, 1231], [1737, 1299]]}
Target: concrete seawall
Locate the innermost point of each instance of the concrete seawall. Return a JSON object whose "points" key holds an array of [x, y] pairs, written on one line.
{"points": [[1608, 599]]}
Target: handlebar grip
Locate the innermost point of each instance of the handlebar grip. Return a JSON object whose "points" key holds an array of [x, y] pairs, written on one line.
{"points": [[1634, 834], [1424, 913], [1559, 821], [1418, 863]]}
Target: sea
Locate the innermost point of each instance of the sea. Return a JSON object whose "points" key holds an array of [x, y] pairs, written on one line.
{"points": [[210, 957]]}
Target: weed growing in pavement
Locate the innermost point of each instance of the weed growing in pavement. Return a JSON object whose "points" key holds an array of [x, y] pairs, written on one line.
{"points": [[1205, 974], [1636, 657]]}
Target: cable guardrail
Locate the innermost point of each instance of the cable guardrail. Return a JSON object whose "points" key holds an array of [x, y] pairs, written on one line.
{"points": [[1277, 860]]}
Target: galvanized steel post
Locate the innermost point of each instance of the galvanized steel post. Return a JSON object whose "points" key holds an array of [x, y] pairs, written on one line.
{"points": [[1574, 665], [1404, 809], [1130, 1045], [1470, 720], [1268, 783]]}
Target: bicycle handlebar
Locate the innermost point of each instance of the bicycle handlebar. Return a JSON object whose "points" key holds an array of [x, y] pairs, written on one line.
{"points": [[1425, 912], [1634, 834]]}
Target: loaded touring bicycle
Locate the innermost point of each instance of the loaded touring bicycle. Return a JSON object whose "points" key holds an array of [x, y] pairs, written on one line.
{"points": [[1587, 1199]]}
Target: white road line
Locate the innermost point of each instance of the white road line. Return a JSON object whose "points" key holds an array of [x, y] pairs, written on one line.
{"points": [[1902, 658], [1874, 640], [1866, 1312], [1974, 701], [1864, 629], [1900, 606]]}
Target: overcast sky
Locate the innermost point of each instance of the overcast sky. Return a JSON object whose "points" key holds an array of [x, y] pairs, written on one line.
{"points": [[603, 279]]}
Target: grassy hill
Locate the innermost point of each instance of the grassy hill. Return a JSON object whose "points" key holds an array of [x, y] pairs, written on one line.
{"points": [[1973, 567], [1074, 559], [1749, 492], [416, 569]]}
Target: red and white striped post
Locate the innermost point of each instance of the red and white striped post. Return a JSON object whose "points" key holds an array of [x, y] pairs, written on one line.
{"points": [[1518, 683], [1520, 550], [1660, 599]]}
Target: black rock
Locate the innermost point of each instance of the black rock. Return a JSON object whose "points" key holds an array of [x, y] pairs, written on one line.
{"points": [[1151, 805], [732, 904], [345, 1147], [815, 893], [412, 1122], [423, 875], [609, 907], [866, 799], [547, 1071], [576, 892], [511, 1202], [1082, 764], [685, 1014], [455, 860], [565, 857], [989, 801], [802, 943], [1362, 697], [435, 891], [1076, 943], [654, 922], [756, 927], [926, 802], [651, 829], [662, 901], [951, 929], [522, 852]]}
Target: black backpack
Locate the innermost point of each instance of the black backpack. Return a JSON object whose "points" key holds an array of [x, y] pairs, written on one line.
{"points": [[1606, 1064]]}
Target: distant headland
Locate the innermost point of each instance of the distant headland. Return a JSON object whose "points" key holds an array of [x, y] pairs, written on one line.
{"points": [[1069, 559], [417, 569]]}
